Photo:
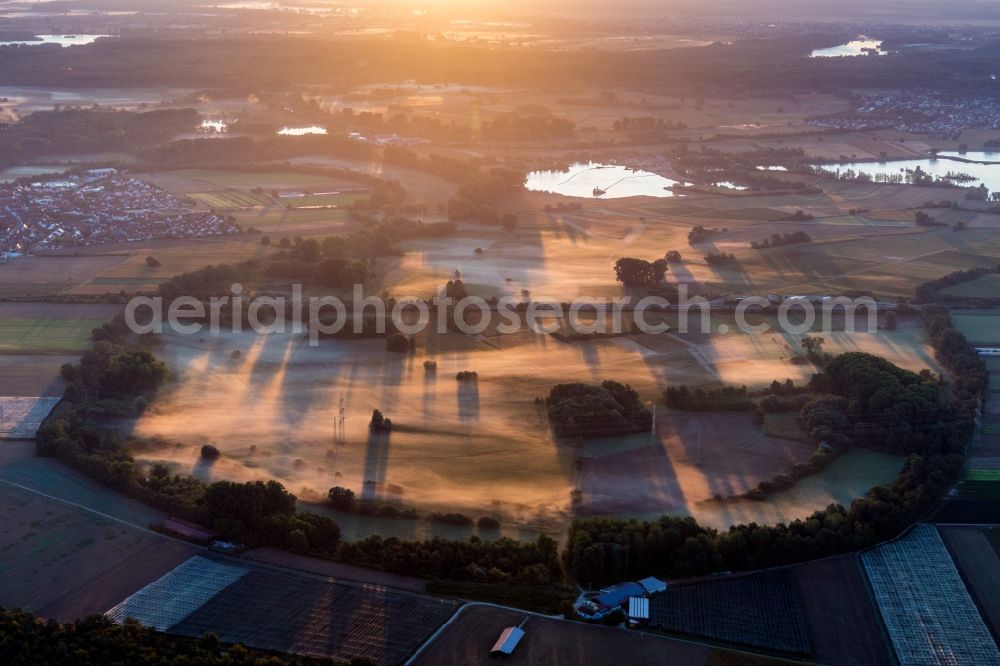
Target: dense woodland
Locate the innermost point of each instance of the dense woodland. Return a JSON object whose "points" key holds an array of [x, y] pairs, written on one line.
{"points": [[83, 131], [744, 68]]}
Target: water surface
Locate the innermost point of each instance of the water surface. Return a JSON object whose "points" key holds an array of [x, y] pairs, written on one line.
{"points": [[605, 181], [901, 170], [855, 47]]}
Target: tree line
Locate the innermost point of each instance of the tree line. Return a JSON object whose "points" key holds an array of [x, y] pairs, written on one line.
{"points": [[929, 291], [601, 551], [27, 639]]}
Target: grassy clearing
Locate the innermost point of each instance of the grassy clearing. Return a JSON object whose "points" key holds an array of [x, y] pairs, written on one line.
{"points": [[55, 336]]}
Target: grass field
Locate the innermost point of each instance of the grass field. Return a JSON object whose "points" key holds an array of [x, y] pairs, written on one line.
{"points": [[324, 200], [987, 286], [981, 327], [194, 181], [231, 199], [46, 335]]}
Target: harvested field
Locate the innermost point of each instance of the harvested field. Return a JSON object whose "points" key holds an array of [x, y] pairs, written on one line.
{"points": [[64, 562], [33, 375], [49, 274], [836, 603], [467, 640], [979, 565]]}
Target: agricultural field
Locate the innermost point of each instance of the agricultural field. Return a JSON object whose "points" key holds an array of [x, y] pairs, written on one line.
{"points": [[836, 603], [188, 181], [231, 199], [37, 338], [61, 561], [987, 286], [468, 638], [455, 444], [759, 610], [916, 575], [286, 612], [981, 327], [978, 562], [323, 199]]}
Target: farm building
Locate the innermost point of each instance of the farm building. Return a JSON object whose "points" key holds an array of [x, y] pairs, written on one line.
{"points": [[988, 351], [615, 598], [508, 641]]}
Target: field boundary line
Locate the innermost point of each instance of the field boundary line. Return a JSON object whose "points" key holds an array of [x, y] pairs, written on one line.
{"points": [[96, 512]]}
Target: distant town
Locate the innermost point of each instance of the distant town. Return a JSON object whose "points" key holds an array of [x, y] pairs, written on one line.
{"points": [[96, 207]]}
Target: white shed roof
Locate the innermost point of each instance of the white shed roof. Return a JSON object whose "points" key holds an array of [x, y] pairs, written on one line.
{"points": [[638, 608]]}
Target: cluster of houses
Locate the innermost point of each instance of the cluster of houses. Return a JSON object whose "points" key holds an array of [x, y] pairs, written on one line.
{"points": [[926, 113], [96, 207]]}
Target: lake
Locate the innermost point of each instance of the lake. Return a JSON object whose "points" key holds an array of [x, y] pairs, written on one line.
{"points": [[61, 40], [301, 131], [217, 126], [605, 181], [983, 174], [856, 47], [974, 155]]}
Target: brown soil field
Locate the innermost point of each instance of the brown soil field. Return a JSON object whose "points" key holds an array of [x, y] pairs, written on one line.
{"points": [[64, 562], [467, 639], [48, 275], [979, 565], [843, 623]]}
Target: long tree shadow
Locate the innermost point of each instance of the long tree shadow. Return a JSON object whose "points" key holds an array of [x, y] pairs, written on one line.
{"points": [[376, 465]]}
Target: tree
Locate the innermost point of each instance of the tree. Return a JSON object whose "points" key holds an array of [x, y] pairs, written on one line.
{"points": [[673, 256], [341, 498], [153, 262], [813, 345], [379, 422], [640, 273], [890, 321], [209, 452]]}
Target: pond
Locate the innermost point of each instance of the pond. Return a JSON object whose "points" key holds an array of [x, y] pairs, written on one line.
{"points": [[217, 126], [982, 174], [856, 47], [302, 131], [605, 181], [61, 40]]}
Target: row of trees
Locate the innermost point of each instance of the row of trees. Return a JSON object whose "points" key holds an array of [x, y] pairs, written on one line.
{"points": [[929, 291], [724, 399], [777, 240], [953, 350], [607, 550]]}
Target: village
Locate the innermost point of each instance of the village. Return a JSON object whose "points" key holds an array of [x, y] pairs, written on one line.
{"points": [[96, 207]]}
